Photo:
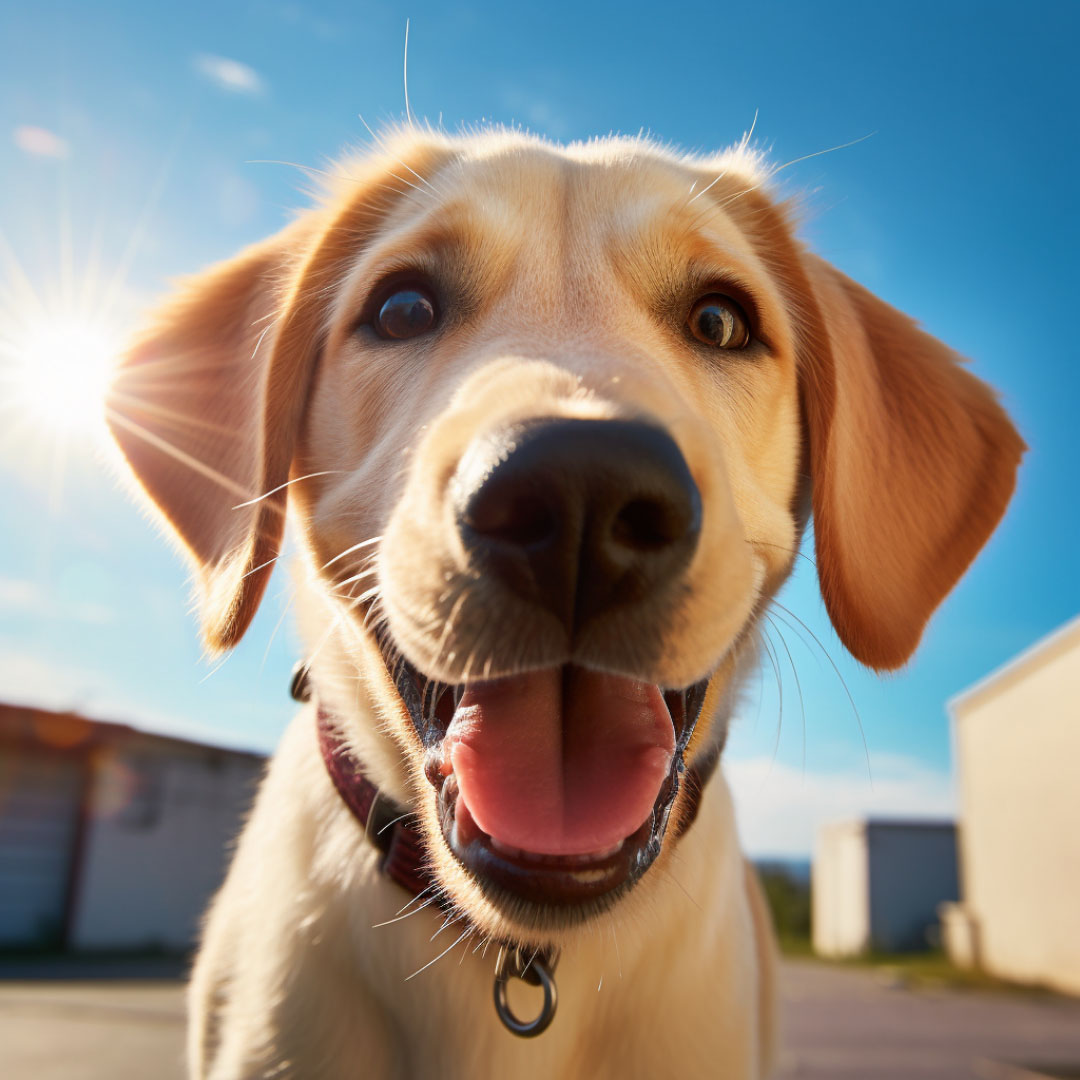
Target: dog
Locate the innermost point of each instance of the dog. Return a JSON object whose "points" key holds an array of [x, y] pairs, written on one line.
{"points": [[549, 424]]}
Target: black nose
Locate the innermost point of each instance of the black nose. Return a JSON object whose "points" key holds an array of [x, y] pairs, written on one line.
{"points": [[578, 516]]}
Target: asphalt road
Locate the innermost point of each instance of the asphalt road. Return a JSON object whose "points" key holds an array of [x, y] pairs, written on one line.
{"points": [[840, 1024], [851, 1024]]}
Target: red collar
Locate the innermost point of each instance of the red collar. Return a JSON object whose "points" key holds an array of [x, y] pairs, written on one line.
{"points": [[391, 829], [396, 833]]}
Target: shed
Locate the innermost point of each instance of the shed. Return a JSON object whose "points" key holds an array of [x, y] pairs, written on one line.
{"points": [[876, 884], [111, 837]]}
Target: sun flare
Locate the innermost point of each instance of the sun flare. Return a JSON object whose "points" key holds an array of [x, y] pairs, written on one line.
{"points": [[55, 373]]}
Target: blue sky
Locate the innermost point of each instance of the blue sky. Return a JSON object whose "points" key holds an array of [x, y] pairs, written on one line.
{"points": [[128, 133]]}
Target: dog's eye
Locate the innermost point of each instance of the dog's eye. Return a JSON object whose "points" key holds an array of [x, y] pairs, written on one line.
{"points": [[717, 320], [406, 313]]}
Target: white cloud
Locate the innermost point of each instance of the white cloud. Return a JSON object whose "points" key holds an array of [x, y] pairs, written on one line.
{"points": [[29, 679], [780, 808], [32, 680], [18, 595], [22, 597], [40, 142], [231, 75]]}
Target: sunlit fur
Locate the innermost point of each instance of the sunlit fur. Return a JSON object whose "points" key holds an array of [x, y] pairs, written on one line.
{"points": [[564, 276]]}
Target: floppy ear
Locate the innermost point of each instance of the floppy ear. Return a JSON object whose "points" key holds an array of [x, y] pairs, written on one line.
{"points": [[208, 403], [912, 462], [189, 406]]}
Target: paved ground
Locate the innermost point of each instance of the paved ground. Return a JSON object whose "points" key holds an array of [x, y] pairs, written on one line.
{"points": [[841, 1024], [91, 1030], [850, 1024]]}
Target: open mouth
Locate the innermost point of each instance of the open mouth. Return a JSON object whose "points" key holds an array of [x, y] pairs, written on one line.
{"points": [[554, 786]]}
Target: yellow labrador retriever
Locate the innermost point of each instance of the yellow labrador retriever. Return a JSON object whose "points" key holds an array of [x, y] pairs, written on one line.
{"points": [[549, 424]]}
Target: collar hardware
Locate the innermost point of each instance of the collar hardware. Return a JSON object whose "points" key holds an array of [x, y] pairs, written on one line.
{"points": [[538, 970]]}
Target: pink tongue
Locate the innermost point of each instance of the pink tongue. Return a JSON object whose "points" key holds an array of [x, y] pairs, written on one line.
{"points": [[561, 770]]}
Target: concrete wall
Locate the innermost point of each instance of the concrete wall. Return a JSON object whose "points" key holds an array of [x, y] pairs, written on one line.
{"points": [[1017, 741], [163, 815]]}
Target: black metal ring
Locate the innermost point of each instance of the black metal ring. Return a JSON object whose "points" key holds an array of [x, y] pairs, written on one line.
{"points": [[300, 684], [538, 968]]}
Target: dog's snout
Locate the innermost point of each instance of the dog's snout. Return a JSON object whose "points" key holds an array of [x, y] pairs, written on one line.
{"points": [[578, 516]]}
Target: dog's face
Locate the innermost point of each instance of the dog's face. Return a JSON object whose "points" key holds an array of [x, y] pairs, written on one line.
{"points": [[555, 420]]}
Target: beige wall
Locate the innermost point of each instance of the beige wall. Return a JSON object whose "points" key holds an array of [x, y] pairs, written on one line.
{"points": [[1017, 738], [163, 816], [840, 890]]}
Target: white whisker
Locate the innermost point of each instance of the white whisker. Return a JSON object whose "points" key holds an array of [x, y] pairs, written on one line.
{"points": [[819, 153], [398, 918], [261, 566], [618, 955], [355, 578], [258, 342], [464, 934], [405, 76], [280, 487], [349, 551]]}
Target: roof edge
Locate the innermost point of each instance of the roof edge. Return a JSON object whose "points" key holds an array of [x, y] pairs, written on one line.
{"points": [[1046, 648]]}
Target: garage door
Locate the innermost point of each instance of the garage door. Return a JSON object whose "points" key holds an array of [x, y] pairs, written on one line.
{"points": [[39, 815]]}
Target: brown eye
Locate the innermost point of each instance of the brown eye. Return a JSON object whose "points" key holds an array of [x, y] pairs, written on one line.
{"points": [[406, 313], [717, 320]]}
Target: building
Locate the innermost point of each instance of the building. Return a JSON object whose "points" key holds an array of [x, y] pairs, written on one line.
{"points": [[876, 885], [1017, 749], [111, 838]]}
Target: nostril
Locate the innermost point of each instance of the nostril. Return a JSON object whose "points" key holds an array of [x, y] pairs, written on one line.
{"points": [[641, 524], [524, 521], [648, 525]]}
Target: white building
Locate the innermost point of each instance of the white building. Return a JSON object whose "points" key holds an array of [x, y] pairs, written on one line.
{"points": [[876, 885], [111, 838], [1017, 747]]}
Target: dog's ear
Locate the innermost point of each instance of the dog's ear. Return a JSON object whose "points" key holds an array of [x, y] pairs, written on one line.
{"points": [[190, 405], [912, 462], [208, 403]]}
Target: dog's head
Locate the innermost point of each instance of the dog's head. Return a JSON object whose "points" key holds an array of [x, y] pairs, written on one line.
{"points": [[552, 422]]}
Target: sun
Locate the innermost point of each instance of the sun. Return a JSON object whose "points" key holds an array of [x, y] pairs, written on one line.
{"points": [[54, 372]]}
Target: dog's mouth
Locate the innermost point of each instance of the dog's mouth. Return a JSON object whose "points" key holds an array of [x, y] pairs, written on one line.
{"points": [[555, 786]]}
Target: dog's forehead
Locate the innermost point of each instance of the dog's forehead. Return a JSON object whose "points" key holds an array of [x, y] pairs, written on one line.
{"points": [[515, 193], [622, 183], [570, 179]]}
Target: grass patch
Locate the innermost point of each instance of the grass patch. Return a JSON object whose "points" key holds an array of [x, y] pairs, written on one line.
{"points": [[930, 970]]}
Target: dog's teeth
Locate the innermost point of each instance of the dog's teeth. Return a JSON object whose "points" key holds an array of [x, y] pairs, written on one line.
{"points": [[436, 767], [595, 856], [507, 849], [589, 877], [607, 851], [571, 860]]}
